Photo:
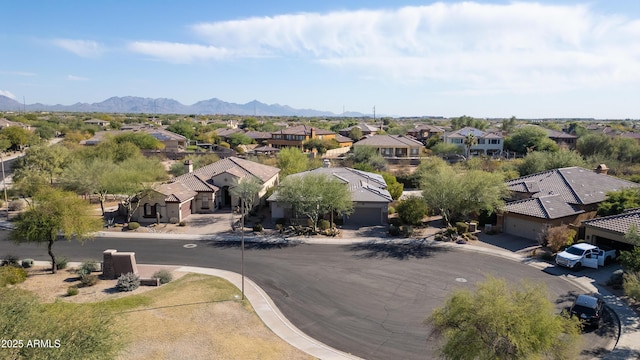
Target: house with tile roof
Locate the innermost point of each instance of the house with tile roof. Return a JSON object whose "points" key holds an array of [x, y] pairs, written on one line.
{"points": [[488, 143], [555, 197], [393, 146], [368, 192], [296, 136], [365, 128], [204, 190], [562, 139], [611, 230], [424, 132]]}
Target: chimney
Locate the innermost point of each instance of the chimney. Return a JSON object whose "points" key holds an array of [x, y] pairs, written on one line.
{"points": [[326, 163], [313, 132], [602, 169], [188, 166]]}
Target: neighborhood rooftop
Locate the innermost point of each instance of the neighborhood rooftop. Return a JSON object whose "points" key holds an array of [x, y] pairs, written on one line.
{"points": [[576, 185]]}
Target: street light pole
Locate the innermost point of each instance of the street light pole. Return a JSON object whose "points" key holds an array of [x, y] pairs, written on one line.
{"points": [[242, 246], [4, 186]]}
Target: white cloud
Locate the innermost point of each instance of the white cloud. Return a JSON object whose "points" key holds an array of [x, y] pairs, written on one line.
{"points": [[481, 47], [76, 78], [177, 52], [82, 48], [7, 94]]}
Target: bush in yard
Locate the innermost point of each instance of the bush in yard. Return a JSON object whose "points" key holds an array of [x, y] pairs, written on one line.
{"points": [[616, 280], [17, 205], [412, 210], [174, 220], [392, 210], [133, 225], [72, 290], [164, 275], [27, 263], [88, 267], [257, 227], [324, 224], [462, 227], [279, 227], [88, 280], [11, 275], [61, 263], [559, 237], [394, 230], [128, 282], [182, 223], [10, 260], [632, 285], [630, 260], [407, 230]]}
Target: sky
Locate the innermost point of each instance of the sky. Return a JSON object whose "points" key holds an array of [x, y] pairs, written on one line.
{"points": [[545, 59]]}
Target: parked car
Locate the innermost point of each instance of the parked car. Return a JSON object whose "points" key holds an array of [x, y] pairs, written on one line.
{"points": [[583, 254], [588, 309]]}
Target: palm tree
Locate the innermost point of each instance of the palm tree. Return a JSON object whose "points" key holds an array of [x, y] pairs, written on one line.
{"points": [[470, 141]]}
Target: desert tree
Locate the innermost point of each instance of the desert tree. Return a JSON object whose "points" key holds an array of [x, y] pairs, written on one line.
{"points": [[498, 321], [54, 213]]}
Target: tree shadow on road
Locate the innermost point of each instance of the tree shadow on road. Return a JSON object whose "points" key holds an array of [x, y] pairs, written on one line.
{"points": [[395, 250], [253, 245]]}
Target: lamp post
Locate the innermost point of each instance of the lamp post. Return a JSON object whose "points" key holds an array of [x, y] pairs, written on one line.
{"points": [[4, 186]]}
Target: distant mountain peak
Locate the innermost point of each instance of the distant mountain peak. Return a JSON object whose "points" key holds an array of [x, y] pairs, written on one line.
{"points": [[135, 104]]}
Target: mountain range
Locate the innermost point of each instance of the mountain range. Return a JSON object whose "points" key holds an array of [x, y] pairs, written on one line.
{"points": [[134, 104]]}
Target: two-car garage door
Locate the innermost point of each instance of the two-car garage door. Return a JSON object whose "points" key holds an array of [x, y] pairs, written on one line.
{"points": [[522, 228], [365, 216]]}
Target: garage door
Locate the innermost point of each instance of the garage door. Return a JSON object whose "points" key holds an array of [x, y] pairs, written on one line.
{"points": [[365, 216], [522, 228]]}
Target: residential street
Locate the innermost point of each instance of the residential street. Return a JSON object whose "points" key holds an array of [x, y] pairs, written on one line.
{"points": [[366, 299]]}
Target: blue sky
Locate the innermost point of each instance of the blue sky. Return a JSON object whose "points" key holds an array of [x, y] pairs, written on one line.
{"points": [[406, 58]]}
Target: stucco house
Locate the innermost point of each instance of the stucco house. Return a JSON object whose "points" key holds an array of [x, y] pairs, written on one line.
{"points": [[366, 129], [555, 197], [611, 230], [424, 132], [204, 190], [488, 143], [296, 136], [393, 146], [368, 192]]}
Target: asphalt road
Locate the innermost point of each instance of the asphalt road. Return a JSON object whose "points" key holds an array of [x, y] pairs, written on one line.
{"points": [[368, 300]]}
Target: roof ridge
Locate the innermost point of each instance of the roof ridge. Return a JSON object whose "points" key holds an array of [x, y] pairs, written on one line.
{"points": [[569, 185]]}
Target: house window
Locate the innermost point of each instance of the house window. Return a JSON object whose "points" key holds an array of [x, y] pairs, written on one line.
{"points": [[481, 141], [456, 141], [147, 210], [415, 151], [495, 141]]}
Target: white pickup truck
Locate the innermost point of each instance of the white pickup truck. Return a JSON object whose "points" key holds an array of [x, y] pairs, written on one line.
{"points": [[583, 254]]}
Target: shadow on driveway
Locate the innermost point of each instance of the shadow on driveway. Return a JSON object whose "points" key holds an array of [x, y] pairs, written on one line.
{"points": [[395, 250]]}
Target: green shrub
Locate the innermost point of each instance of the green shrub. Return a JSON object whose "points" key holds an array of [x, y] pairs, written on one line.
{"points": [[11, 275], [392, 210], [462, 227], [279, 227], [632, 285], [630, 260], [128, 282], [72, 290], [164, 275], [61, 263], [27, 263], [182, 223], [174, 220], [395, 221], [133, 225], [558, 237], [88, 280], [88, 267], [394, 230], [324, 224], [412, 210], [10, 260], [257, 227]]}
